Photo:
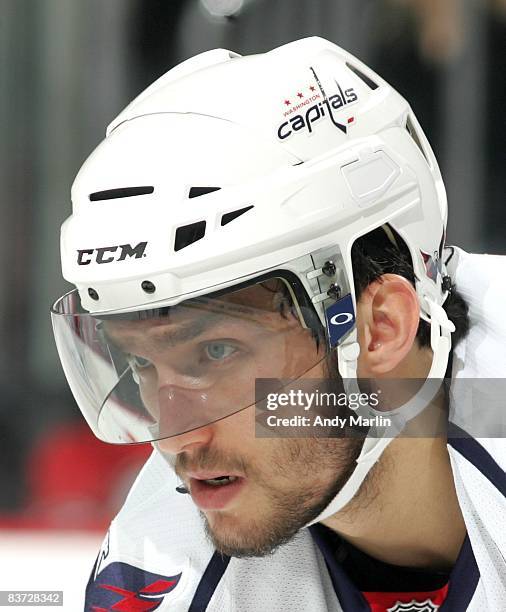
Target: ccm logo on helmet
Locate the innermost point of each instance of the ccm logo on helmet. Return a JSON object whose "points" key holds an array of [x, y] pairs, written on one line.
{"points": [[317, 111], [112, 253], [341, 318]]}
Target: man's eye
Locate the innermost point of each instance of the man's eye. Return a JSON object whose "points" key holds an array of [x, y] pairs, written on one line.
{"points": [[140, 362], [217, 351]]}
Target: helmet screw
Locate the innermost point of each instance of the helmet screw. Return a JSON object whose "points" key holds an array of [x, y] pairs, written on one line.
{"points": [[148, 287], [92, 293], [334, 291], [329, 268], [446, 283]]}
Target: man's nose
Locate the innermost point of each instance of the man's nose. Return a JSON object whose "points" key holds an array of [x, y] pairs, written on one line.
{"points": [[184, 412], [190, 441]]}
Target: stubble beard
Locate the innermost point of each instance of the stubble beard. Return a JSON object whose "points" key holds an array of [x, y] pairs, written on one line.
{"points": [[294, 494]]}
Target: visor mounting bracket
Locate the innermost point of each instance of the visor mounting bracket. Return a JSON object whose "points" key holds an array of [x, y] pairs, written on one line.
{"points": [[334, 291], [329, 268]]}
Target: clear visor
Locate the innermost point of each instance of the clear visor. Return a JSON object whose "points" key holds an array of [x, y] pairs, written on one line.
{"points": [[157, 373]]}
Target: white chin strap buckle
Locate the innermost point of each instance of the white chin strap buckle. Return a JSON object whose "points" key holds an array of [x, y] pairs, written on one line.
{"points": [[347, 356]]}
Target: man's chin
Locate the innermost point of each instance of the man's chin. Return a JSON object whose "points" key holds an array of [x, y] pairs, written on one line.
{"points": [[229, 534], [237, 536]]}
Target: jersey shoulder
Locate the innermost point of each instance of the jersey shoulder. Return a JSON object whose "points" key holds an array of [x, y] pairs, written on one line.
{"points": [[155, 549]]}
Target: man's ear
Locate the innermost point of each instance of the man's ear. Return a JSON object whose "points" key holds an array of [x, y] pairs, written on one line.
{"points": [[387, 318]]}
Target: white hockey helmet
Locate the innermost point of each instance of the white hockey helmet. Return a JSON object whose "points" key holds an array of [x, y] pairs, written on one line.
{"points": [[227, 172]]}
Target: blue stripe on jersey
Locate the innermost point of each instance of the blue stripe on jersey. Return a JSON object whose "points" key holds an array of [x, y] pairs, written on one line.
{"points": [[474, 452], [350, 598], [463, 580], [209, 581]]}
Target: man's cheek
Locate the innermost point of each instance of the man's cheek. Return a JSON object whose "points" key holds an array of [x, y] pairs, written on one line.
{"points": [[239, 429]]}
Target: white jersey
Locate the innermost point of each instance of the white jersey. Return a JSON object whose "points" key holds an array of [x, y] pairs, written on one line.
{"points": [[156, 555]]}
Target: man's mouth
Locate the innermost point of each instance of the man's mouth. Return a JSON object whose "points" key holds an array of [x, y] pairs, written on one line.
{"points": [[214, 491]]}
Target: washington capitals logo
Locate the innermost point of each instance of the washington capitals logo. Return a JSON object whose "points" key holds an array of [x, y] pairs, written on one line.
{"points": [[414, 606], [327, 107], [121, 587]]}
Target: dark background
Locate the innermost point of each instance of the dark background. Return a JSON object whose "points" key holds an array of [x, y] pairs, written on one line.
{"points": [[67, 67]]}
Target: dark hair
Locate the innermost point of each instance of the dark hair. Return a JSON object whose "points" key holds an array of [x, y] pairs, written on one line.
{"points": [[374, 254]]}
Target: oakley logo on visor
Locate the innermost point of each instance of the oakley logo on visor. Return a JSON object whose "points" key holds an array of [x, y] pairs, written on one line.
{"points": [[340, 319], [108, 254]]}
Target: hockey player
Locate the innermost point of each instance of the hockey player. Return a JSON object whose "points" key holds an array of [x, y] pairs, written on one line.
{"points": [[281, 217]]}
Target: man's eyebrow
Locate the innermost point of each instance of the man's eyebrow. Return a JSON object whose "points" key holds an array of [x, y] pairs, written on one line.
{"points": [[170, 337], [217, 307], [188, 331]]}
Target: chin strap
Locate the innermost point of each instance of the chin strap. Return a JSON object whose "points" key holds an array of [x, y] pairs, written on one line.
{"points": [[373, 447]]}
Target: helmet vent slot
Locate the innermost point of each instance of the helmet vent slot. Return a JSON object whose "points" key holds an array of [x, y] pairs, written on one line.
{"points": [[227, 217], [195, 192], [120, 192], [188, 234], [367, 80], [414, 135]]}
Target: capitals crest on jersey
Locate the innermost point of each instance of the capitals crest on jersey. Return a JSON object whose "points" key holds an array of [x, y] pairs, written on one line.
{"points": [[121, 587], [414, 606]]}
